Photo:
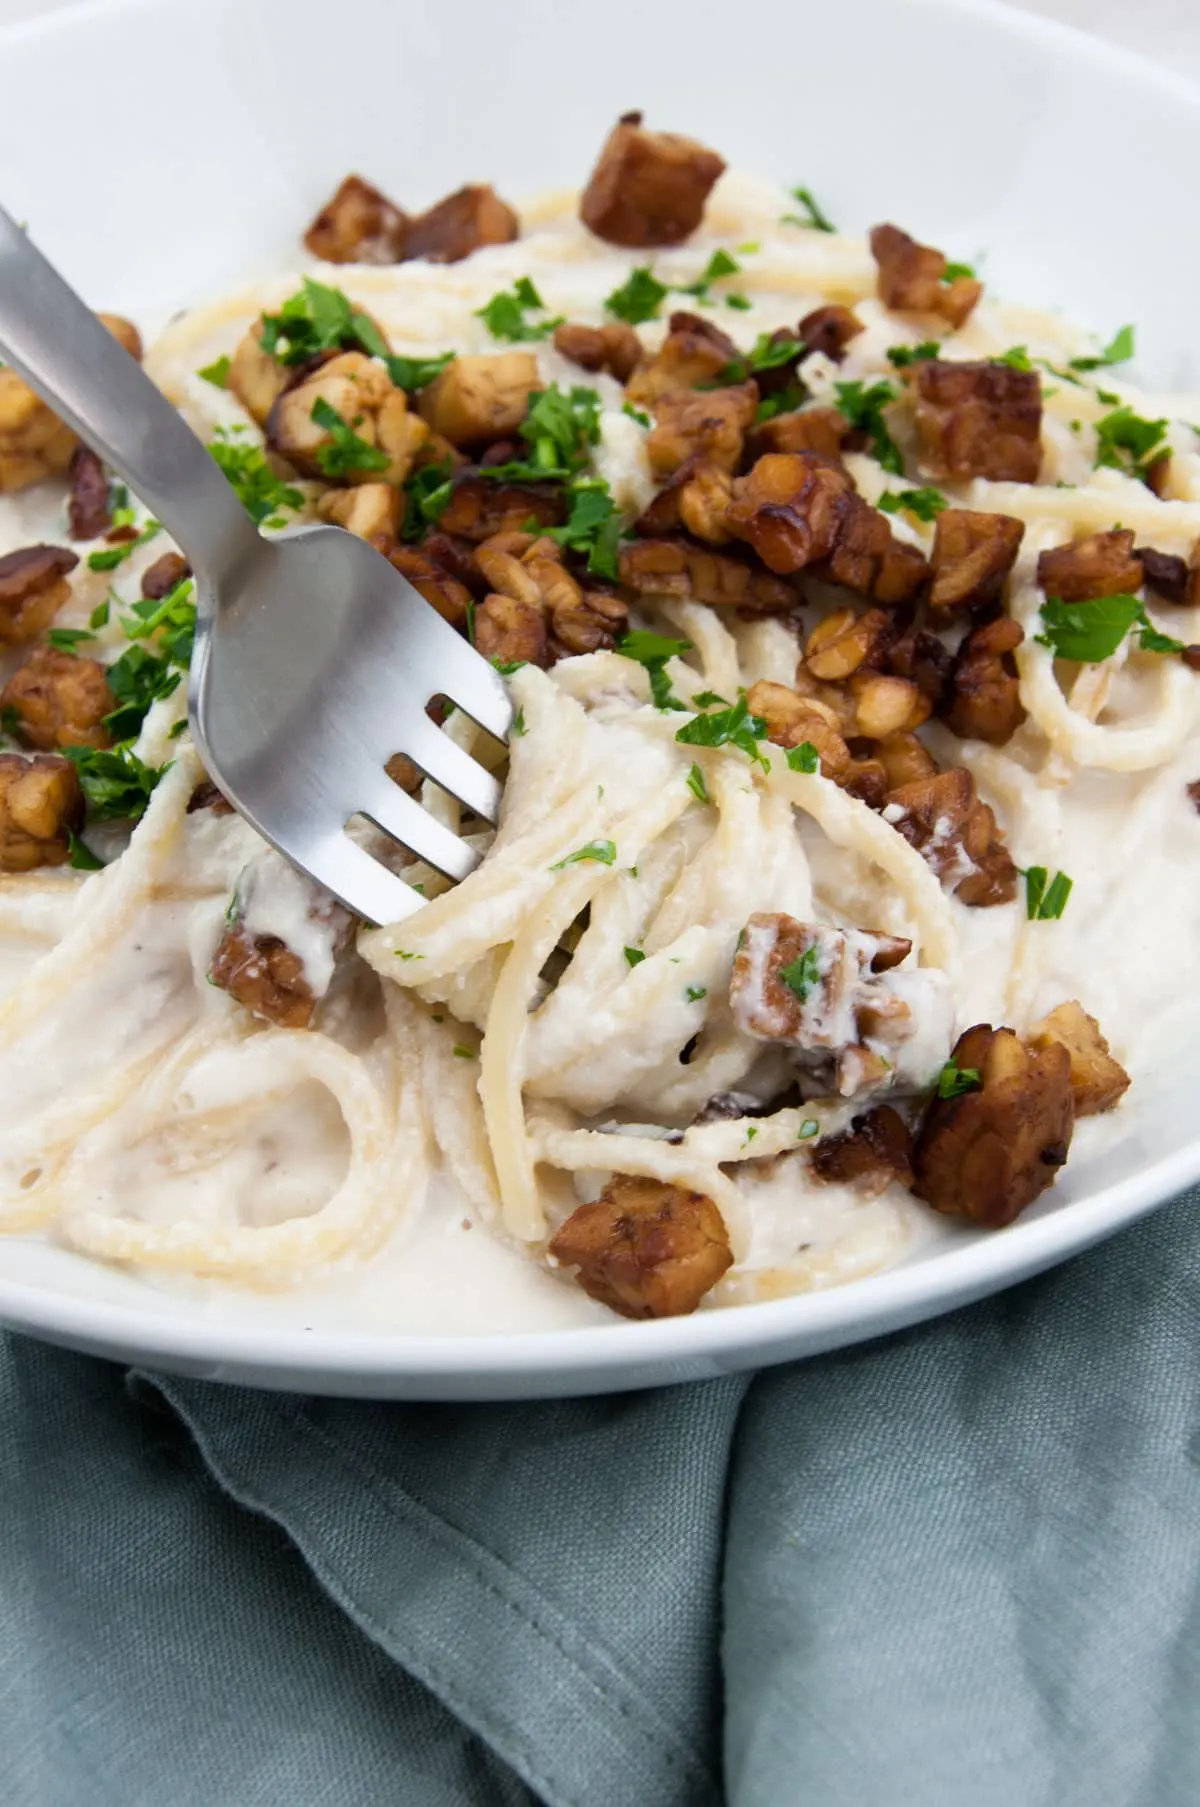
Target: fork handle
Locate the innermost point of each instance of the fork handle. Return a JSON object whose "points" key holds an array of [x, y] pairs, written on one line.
{"points": [[56, 343]]}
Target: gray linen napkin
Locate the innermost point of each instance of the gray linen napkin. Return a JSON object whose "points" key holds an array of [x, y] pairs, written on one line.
{"points": [[957, 1566]]}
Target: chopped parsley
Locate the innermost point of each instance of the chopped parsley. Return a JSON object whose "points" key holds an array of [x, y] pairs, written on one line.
{"points": [[787, 399], [1119, 350], [426, 495], [813, 215], [403, 954], [802, 975], [115, 783], [1127, 442], [461, 1053], [347, 452], [954, 272], [1045, 902], [137, 679], [593, 526], [216, 373], [112, 556], [808, 1129], [733, 726], [742, 302], [1089, 632], [925, 504], [768, 353], [81, 855], [653, 651], [902, 355], [504, 315], [316, 319], [417, 373], [863, 408], [803, 758], [697, 786], [694, 993], [953, 1081], [719, 264], [66, 639], [639, 298], [706, 699], [559, 427], [1016, 358], [638, 414], [602, 852], [518, 729], [261, 493], [634, 956], [172, 618], [99, 615]]}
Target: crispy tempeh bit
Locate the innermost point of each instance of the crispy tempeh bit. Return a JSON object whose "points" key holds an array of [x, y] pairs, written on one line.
{"points": [[796, 509], [793, 719], [480, 507], [710, 424], [475, 400], [912, 278], [615, 347], [822, 430], [88, 511], [645, 1249], [59, 701], [362, 394], [648, 188], [693, 352], [160, 578], [874, 1152], [1168, 576], [255, 377], [358, 225], [694, 498], [538, 611], [510, 631], [985, 692], [1099, 564], [829, 330], [846, 642], [1098, 1082], [822, 991], [955, 833], [445, 593], [920, 655], [463, 222], [683, 568], [972, 555], [40, 801], [33, 587], [264, 974], [371, 510], [988, 1153], [978, 420]]}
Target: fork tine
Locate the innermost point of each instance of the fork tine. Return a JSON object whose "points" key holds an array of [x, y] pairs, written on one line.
{"points": [[361, 882], [478, 689], [397, 815], [448, 765]]}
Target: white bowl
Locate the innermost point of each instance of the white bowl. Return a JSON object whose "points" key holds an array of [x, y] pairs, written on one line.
{"points": [[190, 141]]}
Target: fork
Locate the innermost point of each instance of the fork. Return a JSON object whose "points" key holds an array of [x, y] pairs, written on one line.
{"points": [[314, 659]]}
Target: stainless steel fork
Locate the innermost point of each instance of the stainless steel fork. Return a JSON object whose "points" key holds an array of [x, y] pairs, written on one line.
{"points": [[314, 658]]}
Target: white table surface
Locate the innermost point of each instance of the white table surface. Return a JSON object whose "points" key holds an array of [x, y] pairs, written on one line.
{"points": [[1168, 30]]}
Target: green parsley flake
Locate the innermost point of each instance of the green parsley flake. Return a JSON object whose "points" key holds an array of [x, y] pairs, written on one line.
{"points": [[602, 852], [66, 639], [813, 215], [560, 427], [1119, 350], [593, 526], [112, 556], [504, 315], [639, 298], [705, 699], [518, 729], [427, 494], [925, 504], [638, 414], [634, 956], [115, 783], [1016, 358], [81, 855], [802, 975], [216, 373], [733, 726], [1089, 632], [902, 355], [653, 651], [863, 408], [697, 786], [808, 1129], [1046, 902], [261, 493], [99, 615], [694, 993], [348, 453], [401, 954], [317, 319], [954, 272], [803, 758], [412, 374], [461, 1053], [743, 303], [1125, 441], [768, 353], [719, 264], [953, 1081], [786, 401]]}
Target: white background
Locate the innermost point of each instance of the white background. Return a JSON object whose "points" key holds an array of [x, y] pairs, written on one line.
{"points": [[1168, 30]]}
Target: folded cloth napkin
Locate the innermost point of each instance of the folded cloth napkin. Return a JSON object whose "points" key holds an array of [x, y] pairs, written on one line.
{"points": [[958, 1567]]}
